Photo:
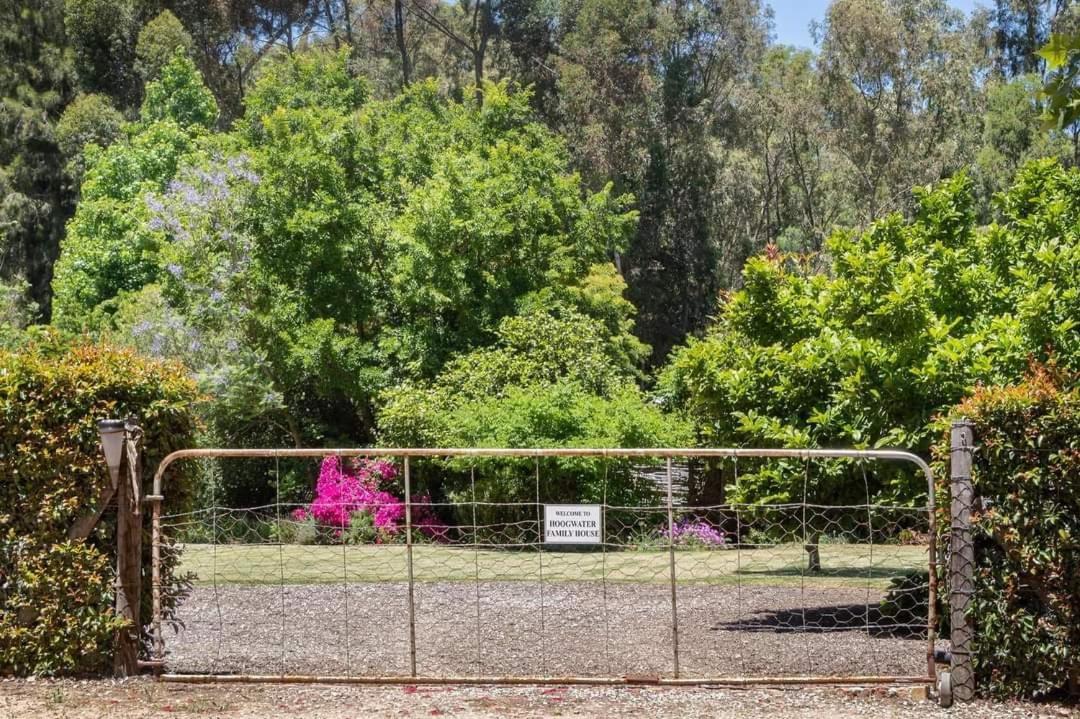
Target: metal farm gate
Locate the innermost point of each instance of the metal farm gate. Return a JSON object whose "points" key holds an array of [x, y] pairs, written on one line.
{"points": [[578, 582]]}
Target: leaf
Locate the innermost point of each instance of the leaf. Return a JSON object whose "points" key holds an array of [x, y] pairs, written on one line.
{"points": [[1056, 51]]}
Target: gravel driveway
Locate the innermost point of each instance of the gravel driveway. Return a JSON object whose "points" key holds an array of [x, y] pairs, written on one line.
{"points": [[132, 699], [519, 628]]}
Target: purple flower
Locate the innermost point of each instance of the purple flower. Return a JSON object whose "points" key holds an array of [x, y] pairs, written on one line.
{"points": [[153, 203], [175, 270], [696, 532]]}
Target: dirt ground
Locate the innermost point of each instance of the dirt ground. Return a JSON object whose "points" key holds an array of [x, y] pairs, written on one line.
{"points": [[146, 698]]}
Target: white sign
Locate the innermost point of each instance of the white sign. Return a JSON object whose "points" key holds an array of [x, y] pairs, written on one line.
{"points": [[572, 524]]}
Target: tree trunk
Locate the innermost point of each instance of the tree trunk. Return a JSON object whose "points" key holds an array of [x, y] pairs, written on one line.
{"points": [[484, 34], [347, 12], [399, 34], [813, 552]]}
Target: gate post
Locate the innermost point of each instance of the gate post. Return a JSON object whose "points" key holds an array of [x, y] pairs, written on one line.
{"points": [[961, 559], [129, 554]]}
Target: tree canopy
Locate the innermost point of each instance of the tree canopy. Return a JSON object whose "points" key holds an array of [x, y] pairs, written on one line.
{"points": [[910, 316]]}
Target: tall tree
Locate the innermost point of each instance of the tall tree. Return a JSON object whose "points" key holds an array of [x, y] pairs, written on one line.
{"points": [[37, 79], [899, 89], [647, 98]]}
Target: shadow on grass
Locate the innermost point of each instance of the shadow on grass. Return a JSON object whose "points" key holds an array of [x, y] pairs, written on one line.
{"points": [[866, 618], [879, 572]]}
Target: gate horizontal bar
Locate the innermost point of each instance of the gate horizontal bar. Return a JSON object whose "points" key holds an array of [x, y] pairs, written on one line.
{"points": [[660, 452], [588, 681]]}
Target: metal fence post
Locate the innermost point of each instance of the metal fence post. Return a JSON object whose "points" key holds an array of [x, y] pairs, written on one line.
{"points": [[961, 559], [674, 585], [409, 566]]}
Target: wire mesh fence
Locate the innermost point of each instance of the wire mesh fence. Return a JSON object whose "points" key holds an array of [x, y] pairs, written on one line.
{"points": [[453, 566]]}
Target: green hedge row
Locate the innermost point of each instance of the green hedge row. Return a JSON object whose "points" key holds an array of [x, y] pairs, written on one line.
{"points": [[1026, 521], [56, 594]]}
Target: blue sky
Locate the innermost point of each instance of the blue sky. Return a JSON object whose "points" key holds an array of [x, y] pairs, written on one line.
{"points": [[793, 17]]}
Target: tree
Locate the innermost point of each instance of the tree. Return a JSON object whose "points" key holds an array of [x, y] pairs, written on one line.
{"points": [[646, 94], [1020, 28], [36, 82], [102, 35], [89, 120], [553, 378], [338, 244], [108, 249], [898, 92], [1012, 136], [158, 42], [909, 317]]}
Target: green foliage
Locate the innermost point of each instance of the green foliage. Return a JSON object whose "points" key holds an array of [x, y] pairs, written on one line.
{"points": [[89, 119], [17, 310], [315, 79], [179, 95], [549, 381], [910, 317], [55, 610], [1012, 135], [102, 35], [159, 40], [37, 79], [339, 249], [109, 249], [1026, 528], [1062, 88]]}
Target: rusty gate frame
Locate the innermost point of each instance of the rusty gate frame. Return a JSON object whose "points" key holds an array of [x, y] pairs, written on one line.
{"points": [[157, 661]]}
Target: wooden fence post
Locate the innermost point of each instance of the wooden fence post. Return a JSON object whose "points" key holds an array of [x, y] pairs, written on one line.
{"points": [[129, 554]]}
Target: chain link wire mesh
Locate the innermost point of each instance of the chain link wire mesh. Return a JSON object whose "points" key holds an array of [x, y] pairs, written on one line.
{"points": [[467, 586]]}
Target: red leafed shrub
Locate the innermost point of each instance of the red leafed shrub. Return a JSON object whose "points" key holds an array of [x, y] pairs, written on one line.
{"points": [[55, 593], [1026, 522]]}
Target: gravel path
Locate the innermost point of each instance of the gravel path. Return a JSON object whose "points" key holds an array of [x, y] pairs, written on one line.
{"points": [[140, 698], [518, 628]]}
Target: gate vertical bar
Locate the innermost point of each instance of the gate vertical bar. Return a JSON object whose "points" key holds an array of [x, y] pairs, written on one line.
{"points": [[961, 558], [155, 577], [409, 565], [671, 561]]}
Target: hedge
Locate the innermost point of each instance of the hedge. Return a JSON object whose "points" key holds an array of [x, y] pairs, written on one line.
{"points": [[56, 594], [1026, 528]]}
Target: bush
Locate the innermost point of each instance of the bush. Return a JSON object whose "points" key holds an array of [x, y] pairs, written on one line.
{"points": [[56, 594], [908, 319], [1026, 528], [553, 378]]}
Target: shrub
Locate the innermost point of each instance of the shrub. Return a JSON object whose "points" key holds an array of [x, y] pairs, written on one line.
{"points": [[353, 503], [696, 532], [908, 319], [55, 593], [1026, 528]]}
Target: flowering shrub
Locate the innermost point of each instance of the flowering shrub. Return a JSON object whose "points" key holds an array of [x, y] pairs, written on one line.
{"points": [[358, 496], [696, 533]]}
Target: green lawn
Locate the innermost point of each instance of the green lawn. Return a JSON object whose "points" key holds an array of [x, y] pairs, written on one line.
{"points": [[843, 564]]}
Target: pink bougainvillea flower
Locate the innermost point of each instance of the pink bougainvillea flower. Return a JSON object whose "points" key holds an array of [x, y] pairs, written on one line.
{"points": [[341, 493]]}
